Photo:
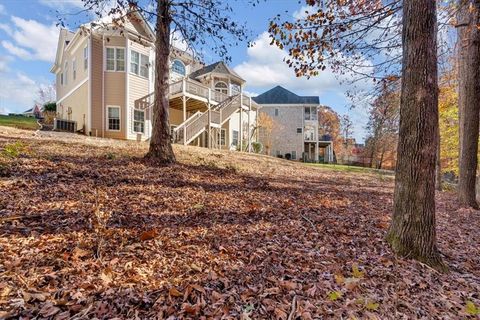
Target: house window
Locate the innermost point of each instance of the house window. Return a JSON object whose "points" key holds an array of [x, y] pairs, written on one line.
{"points": [[144, 66], [235, 137], [61, 78], [139, 121], [178, 67], [299, 130], [294, 155], [113, 118], [276, 112], [115, 59], [221, 87], [85, 58], [65, 77], [134, 62], [235, 88], [74, 69], [222, 137], [139, 64], [311, 113]]}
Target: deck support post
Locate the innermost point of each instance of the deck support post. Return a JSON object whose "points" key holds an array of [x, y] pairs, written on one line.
{"points": [[184, 102], [249, 125], [240, 126]]}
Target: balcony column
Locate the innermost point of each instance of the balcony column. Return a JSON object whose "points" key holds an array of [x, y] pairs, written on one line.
{"points": [[249, 125]]}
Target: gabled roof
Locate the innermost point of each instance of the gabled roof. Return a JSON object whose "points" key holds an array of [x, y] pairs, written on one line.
{"points": [[64, 37], [280, 95], [217, 67]]}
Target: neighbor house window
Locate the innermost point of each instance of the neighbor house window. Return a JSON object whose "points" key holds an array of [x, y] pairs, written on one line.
{"points": [[74, 69], [235, 137], [115, 59], [178, 67], [221, 87], [139, 121], [114, 118], [294, 155], [61, 78], [139, 64], [222, 137], [299, 130], [276, 112], [85, 58], [311, 113]]}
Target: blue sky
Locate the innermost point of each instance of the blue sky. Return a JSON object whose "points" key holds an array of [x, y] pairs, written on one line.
{"points": [[28, 39]]}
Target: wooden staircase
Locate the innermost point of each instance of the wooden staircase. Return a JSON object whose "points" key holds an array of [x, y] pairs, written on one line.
{"points": [[196, 124]]}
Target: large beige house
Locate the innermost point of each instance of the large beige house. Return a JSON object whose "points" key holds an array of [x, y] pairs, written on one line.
{"points": [[104, 83]]}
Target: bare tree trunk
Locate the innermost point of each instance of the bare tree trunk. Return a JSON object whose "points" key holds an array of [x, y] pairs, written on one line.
{"points": [[438, 164], [412, 232], [468, 99], [160, 142]]}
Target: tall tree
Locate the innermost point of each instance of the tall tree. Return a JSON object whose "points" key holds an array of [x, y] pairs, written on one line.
{"points": [[412, 231], [204, 26], [468, 98]]}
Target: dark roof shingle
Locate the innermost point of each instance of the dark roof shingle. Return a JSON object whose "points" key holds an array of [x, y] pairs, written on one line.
{"points": [[280, 95]]}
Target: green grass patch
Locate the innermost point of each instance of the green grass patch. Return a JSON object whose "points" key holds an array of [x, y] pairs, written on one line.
{"points": [[345, 168], [19, 122]]}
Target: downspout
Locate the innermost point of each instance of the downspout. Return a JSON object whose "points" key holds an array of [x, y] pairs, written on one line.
{"points": [[89, 115]]}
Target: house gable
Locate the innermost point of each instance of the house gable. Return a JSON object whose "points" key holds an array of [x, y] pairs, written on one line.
{"points": [[280, 95]]}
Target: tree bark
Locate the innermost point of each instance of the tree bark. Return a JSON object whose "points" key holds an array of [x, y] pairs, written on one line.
{"points": [[412, 232], [468, 99], [438, 164], [160, 142]]}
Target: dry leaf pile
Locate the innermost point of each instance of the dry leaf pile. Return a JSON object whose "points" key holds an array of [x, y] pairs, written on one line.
{"points": [[91, 230]]}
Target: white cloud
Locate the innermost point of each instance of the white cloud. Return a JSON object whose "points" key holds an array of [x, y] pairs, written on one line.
{"points": [[17, 91], [32, 39], [16, 51], [265, 68], [2, 9], [303, 12], [62, 5], [4, 60]]}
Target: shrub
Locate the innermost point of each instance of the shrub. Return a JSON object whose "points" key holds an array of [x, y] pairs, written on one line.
{"points": [[288, 156], [50, 106], [257, 147]]}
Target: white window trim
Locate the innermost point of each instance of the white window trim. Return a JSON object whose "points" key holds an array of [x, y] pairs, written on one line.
{"points": [[144, 121], [115, 58], [222, 88], [224, 131], [119, 118]]}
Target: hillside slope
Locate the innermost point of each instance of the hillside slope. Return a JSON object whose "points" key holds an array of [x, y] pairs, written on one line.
{"points": [[91, 229]]}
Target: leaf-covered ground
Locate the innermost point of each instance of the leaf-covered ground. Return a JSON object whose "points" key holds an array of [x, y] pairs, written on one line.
{"points": [[90, 230]]}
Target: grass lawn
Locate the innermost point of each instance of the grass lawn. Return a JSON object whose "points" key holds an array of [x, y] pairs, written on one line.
{"points": [[19, 122], [90, 229], [345, 168]]}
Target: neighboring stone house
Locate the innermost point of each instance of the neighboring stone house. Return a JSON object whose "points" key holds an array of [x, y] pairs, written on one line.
{"points": [[104, 85], [295, 131]]}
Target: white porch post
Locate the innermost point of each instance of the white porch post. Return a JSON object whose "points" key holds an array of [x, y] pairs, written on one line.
{"points": [[240, 127], [249, 125], [316, 152]]}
